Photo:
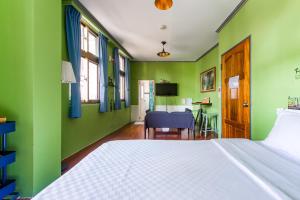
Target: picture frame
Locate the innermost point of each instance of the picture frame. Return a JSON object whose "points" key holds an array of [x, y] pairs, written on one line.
{"points": [[208, 80]]}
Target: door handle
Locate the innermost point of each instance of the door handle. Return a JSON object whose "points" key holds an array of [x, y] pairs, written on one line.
{"points": [[245, 105]]}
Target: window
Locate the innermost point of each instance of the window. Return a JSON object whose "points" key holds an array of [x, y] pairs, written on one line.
{"points": [[122, 77], [89, 84]]}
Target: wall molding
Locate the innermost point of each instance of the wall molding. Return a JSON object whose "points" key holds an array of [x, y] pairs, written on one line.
{"points": [[107, 33], [226, 21], [94, 20], [165, 61], [232, 14], [207, 52], [187, 61]]}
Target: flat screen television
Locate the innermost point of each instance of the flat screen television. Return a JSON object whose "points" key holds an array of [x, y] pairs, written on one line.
{"points": [[166, 89]]}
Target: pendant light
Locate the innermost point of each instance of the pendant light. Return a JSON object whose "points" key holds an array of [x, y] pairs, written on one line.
{"points": [[163, 4], [163, 53]]}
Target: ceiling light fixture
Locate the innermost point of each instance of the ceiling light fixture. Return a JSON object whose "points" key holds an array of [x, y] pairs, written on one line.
{"points": [[163, 4], [163, 53], [163, 27]]}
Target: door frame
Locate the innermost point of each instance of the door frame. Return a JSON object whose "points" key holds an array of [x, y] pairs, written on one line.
{"points": [[250, 88], [139, 94]]}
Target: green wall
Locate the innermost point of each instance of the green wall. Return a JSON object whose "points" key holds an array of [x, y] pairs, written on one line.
{"points": [[275, 53], [275, 47], [30, 52], [208, 61], [182, 73], [186, 74], [31, 92], [46, 91], [16, 86], [93, 125]]}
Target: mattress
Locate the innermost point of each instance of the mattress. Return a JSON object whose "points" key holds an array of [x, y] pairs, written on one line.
{"points": [[233, 169]]}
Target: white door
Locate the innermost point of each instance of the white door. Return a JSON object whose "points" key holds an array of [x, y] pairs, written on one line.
{"points": [[144, 98]]}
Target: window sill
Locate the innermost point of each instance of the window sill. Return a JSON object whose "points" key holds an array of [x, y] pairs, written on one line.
{"points": [[90, 103]]}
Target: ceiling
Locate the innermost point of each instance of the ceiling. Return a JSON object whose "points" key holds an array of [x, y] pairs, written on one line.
{"points": [[135, 24]]}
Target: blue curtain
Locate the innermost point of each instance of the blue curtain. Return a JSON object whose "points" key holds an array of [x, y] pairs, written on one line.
{"points": [[103, 73], [151, 96], [127, 83], [73, 45], [117, 79]]}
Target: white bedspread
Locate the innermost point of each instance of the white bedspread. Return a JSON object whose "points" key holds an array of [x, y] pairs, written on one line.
{"points": [[179, 170]]}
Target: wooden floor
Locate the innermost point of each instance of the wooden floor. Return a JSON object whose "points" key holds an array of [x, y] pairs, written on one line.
{"points": [[131, 132]]}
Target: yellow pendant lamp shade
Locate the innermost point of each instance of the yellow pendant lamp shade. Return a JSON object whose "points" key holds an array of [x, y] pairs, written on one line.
{"points": [[163, 4], [163, 53]]}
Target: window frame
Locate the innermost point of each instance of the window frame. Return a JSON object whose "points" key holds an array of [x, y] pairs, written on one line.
{"points": [[90, 57], [123, 74]]}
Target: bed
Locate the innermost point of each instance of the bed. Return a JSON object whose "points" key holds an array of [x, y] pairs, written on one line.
{"points": [[233, 169]]}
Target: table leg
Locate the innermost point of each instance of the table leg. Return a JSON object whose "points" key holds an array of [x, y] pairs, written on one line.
{"points": [[198, 113], [217, 136], [206, 124], [194, 133], [200, 119]]}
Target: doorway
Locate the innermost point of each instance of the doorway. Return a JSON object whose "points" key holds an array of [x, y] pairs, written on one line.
{"points": [[236, 91], [146, 98]]}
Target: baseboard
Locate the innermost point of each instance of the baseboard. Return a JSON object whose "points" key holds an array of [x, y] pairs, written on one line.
{"points": [[65, 167]]}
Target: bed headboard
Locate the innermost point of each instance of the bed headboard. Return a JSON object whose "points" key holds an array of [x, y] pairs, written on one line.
{"points": [[279, 110], [294, 103]]}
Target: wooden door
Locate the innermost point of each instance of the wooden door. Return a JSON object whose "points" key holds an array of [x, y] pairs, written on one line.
{"points": [[236, 91]]}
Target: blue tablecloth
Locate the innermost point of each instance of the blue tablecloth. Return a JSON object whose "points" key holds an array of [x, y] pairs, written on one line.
{"points": [[162, 119]]}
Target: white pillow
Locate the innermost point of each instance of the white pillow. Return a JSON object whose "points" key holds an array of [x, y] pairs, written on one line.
{"points": [[285, 135]]}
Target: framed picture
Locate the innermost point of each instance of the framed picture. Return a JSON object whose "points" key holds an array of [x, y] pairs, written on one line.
{"points": [[208, 80]]}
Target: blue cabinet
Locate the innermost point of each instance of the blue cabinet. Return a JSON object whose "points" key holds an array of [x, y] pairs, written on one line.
{"points": [[7, 186]]}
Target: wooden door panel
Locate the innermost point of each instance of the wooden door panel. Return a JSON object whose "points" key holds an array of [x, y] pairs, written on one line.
{"points": [[236, 91], [239, 133], [234, 132]]}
